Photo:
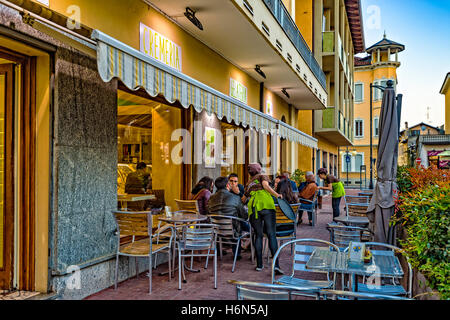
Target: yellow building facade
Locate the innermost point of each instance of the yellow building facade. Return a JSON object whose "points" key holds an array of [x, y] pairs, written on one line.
{"points": [[378, 67], [445, 90]]}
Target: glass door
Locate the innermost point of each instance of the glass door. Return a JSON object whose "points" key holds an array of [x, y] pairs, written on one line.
{"points": [[6, 192]]}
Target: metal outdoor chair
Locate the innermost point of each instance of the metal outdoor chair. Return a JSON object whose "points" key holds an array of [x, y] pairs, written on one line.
{"points": [[265, 291], [356, 205], [226, 235], [341, 235], [309, 206], [395, 288], [190, 205], [286, 229], [201, 238], [139, 224], [349, 295], [303, 251]]}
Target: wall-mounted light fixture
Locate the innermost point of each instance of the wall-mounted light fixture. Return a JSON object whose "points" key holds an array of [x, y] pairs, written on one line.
{"points": [[190, 14], [285, 93], [261, 73]]}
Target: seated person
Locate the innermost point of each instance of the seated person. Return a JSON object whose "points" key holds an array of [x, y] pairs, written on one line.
{"points": [[227, 203], [276, 181], [308, 193], [202, 192], [138, 180], [234, 185], [293, 184], [284, 188]]}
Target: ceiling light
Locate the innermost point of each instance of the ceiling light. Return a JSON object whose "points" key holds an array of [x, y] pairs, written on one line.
{"points": [[190, 14], [261, 73], [285, 93]]}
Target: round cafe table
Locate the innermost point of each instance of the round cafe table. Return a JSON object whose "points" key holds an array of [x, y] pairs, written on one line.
{"points": [[353, 220], [179, 219]]}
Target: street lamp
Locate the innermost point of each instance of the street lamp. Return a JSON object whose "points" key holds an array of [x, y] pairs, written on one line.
{"points": [[389, 84]]}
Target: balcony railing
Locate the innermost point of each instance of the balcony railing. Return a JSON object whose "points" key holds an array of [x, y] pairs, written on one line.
{"points": [[435, 139], [328, 41], [283, 17]]}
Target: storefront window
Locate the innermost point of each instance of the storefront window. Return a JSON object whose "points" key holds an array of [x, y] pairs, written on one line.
{"points": [[144, 132], [233, 152]]}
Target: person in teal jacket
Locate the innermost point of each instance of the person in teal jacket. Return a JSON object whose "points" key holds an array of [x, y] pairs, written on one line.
{"points": [[335, 186]]}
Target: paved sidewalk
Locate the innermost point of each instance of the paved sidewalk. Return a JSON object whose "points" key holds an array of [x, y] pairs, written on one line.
{"points": [[200, 285]]}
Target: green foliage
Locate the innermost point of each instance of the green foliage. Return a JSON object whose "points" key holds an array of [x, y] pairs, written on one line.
{"points": [[403, 179], [298, 176], [426, 217]]}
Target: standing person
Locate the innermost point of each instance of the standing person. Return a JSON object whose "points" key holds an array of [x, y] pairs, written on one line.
{"points": [[335, 186], [307, 193], [202, 192], [261, 211], [234, 185]]}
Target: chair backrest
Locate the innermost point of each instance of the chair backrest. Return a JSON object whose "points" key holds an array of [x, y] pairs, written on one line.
{"points": [[281, 218], [356, 205], [342, 235], [202, 237], [224, 225], [251, 294], [349, 295], [133, 223], [191, 205], [302, 252]]}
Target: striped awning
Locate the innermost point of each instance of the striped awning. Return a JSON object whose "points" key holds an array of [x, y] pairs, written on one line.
{"points": [[137, 70], [292, 134]]}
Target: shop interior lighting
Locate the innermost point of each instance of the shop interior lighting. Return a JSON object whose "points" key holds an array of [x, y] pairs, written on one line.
{"points": [[190, 14], [261, 73]]}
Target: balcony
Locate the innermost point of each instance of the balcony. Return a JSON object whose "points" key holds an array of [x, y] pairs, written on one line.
{"points": [[328, 49], [437, 139], [333, 126], [257, 32]]}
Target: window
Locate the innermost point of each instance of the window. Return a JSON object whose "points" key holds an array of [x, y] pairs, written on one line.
{"points": [[376, 128], [359, 128], [144, 132], [359, 92], [356, 161]]}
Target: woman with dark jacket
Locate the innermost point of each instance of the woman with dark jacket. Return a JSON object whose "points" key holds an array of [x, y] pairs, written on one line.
{"points": [[261, 212], [202, 192]]}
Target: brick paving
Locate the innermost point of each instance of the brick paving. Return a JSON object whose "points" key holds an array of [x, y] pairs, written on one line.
{"points": [[200, 286]]}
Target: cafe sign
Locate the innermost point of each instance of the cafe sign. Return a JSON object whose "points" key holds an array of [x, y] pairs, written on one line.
{"points": [[238, 91], [157, 46]]}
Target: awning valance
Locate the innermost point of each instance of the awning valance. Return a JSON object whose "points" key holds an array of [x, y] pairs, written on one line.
{"points": [[137, 70], [292, 134]]}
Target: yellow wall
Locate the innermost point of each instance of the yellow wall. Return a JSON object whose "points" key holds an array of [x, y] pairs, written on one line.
{"points": [[198, 61], [447, 112], [304, 20]]}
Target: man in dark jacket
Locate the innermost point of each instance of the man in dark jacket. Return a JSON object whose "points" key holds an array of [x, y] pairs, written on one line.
{"points": [[227, 203]]}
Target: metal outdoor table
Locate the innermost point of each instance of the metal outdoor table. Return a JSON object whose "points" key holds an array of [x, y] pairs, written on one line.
{"points": [[125, 198], [178, 219], [353, 221], [383, 264]]}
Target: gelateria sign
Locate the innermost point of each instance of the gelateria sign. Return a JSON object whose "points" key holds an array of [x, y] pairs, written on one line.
{"points": [[159, 47], [238, 91]]}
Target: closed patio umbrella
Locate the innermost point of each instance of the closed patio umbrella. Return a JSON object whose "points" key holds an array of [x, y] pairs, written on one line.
{"points": [[382, 203]]}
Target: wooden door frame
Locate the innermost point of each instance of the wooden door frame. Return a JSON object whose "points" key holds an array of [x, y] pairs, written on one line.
{"points": [[8, 180], [26, 163]]}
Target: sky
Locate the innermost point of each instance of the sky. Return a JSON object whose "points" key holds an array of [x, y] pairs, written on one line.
{"points": [[424, 28]]}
